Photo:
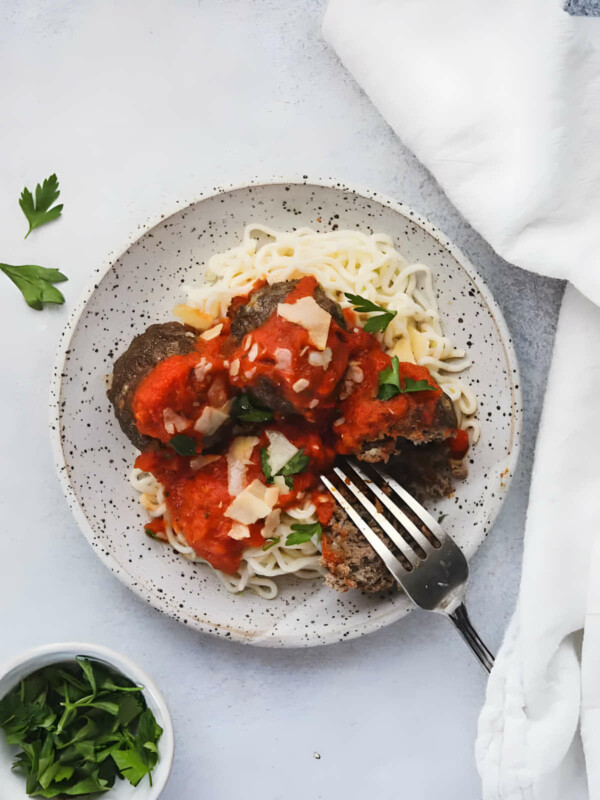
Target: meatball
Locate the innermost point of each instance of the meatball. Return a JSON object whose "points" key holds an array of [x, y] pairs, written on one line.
{"points": [[143, 354]]}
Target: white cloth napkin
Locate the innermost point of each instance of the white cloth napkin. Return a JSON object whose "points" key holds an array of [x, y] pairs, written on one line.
{"points": [[500, 99]]}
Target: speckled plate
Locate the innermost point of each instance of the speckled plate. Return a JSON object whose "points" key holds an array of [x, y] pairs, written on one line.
{"points": [[94, 458]]}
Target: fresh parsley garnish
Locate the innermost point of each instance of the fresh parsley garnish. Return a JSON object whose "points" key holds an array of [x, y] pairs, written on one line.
{"points": [[35, 284], [183, 445], [297, 463], [390, 386], [38, 212], [80, 726], [247, 409], [149, 532], [271, 542], [374, 324], [304, 533]]}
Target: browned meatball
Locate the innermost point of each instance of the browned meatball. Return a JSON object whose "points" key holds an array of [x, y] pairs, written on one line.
{"points": [[143, 354]]}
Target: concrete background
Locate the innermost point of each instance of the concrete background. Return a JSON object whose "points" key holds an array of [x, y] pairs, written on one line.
{"points": [[136, 104]]}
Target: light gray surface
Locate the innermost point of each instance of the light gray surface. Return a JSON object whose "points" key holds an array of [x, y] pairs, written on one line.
{"points": [[138, 105]]}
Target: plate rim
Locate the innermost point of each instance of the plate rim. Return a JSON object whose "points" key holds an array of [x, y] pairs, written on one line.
{"points": [[99, 273]]}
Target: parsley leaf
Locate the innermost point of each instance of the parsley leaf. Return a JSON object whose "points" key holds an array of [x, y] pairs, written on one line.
{"points": [[364, 306], [271, 542], [35, 284], [297, 463], [39, 212], [304, 533], [390, 386], [247, 409], [266, 464], [183, 445]]}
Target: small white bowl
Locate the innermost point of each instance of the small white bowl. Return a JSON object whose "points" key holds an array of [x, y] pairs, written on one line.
{"points": [[13, 785]]}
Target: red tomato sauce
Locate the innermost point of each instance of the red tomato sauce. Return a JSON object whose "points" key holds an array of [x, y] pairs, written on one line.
{"points": [[279, 350], [197, 499], [364, 415]]}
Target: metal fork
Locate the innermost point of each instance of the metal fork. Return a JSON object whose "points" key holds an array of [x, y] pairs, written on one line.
{"points": [[431, 569]]}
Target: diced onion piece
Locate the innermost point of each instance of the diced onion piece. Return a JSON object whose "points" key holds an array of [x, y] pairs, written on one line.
{"points": [[309, 315], [271, 522], [313, 403], [234, 367], [210, 420], [280, 450], [193, 317], [300, 385], [203, 461], [339, 421], [239, 531], [253, 353], [317, 359], [212, 333], [254, 503], [283, 358], [174, 421]]}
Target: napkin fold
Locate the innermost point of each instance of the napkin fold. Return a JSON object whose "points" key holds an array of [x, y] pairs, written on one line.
{"points": [[501, 101]]}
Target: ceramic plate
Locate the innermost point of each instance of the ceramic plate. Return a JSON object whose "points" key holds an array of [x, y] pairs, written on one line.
{"points": [[141, 287]]}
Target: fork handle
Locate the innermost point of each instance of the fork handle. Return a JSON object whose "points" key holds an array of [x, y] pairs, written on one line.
{"points": [[461, 620]]}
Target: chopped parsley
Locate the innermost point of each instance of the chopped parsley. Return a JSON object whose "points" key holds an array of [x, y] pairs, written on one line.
{"points": [[304, 533], [375, 324], [390, 386], [271, 542], [183, 445], [38, 211], [247, 409], [80, 726], [297, 463]]}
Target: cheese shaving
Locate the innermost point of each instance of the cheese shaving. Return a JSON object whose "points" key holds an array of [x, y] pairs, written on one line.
{"points": [[309, 315]]}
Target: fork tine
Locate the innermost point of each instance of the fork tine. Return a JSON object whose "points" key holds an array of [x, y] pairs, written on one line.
{"points": [[402, 518], [390, 561], [410, 501], [401, 543]]}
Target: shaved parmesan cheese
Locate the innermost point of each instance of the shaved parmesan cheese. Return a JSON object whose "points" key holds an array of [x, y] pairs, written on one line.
{"points": [[280, 450], [202, 368], [238, 457], [323, 359], [210, 420], [242, 446], [193, 317], [301, 385], [403, 350], [279, 482], [253, 353], [309, 315], [283, 358], [202, 461], [271, 522], [254, 503], [239, 531], [212, 333], [234, 368], [174, 421]]}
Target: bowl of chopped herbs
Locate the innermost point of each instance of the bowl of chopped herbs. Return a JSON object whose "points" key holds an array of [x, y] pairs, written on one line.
{"points": [[80, 720]]}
